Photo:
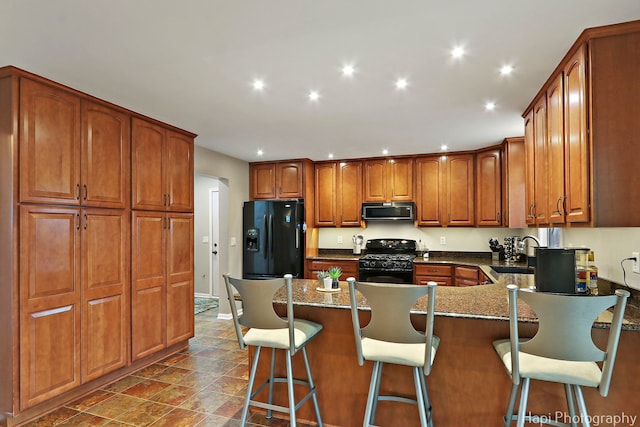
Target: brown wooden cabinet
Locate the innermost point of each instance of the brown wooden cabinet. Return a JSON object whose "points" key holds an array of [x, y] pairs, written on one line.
{"points": [[75, 152], [467, 276], [387, 180], [162, 280], [513, 183], [580, 129], [278, 180], [65, 174], [446, 190], [338, 190], [349, 267], [488, 184], [161, 169], [442, 274]]}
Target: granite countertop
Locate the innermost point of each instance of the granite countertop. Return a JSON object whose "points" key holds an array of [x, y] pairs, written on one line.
{"points": [[477, 302]]}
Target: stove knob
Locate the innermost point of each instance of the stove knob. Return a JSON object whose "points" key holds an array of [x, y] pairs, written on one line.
{"points": [[384, 264]]}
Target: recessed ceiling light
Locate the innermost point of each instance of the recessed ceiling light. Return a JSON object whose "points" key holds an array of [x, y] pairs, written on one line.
{"points": [[348, 70], [490, 106], [258, 85], [457, 52], [443, 147], [260, 153], [385, 151], [314, 95], [506, 70], [331, 155], [402, 83]]}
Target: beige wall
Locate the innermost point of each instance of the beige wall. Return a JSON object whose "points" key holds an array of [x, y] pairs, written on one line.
{"points": [[236, 173]]}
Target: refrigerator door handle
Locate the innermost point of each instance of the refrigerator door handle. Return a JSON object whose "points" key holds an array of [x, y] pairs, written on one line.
{"points": [[297, 238], [266, 237], [271, 236]]}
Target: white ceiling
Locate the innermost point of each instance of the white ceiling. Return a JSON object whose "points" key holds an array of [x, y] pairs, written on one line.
{"points": [[190, 63]]}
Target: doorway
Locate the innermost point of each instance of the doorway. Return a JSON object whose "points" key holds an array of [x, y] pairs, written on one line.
{"points": [[211, 235]]}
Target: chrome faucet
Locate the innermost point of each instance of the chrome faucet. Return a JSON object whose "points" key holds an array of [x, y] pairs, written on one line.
{"points": [[521, 246]]}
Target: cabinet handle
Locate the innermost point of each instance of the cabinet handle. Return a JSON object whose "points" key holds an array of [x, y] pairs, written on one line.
{"points": [[86, 192], [77, 221], [77, 191], [558, 211], [168, 200], [86, 221], [564, 205]]}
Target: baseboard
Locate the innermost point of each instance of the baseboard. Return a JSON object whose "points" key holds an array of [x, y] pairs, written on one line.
{"points": [[198, 295], [228, 316]]}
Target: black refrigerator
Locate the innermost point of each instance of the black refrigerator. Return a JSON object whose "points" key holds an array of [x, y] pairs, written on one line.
{"points": [[273, 239]]}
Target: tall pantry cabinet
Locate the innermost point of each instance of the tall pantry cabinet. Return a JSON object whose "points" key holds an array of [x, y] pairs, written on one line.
{"points": [[65, 255]]}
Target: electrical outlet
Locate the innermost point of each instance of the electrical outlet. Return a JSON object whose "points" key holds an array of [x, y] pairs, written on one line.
{"points": [[443, 240], [636, 261], [339, 240]]}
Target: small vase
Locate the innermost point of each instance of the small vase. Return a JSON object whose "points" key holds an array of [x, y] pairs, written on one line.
{"points": [[334, 284], [327, 282]]}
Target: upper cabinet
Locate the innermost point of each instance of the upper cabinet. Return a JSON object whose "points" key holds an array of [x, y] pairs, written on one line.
{"points": [[338, 189], [279, 180], [72, 151], [445, 190], [162, 168], [579, 131], [489, 187], [513, 183], [387, 180]]}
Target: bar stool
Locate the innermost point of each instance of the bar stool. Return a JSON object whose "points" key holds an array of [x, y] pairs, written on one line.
{"points": [[389, 337], [267, 329], [562, 350]]}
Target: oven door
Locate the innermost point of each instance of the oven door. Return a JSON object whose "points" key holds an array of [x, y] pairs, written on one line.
{"points": [[382, 276]]}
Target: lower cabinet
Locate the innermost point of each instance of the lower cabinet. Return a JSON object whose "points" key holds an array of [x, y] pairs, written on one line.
{"points": [[349, 268], [448, 274], [162, 281], [439, 273], [73, 298]]}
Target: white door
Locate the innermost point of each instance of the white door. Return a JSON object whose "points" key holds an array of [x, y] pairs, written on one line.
{"points": [[214, 249]]}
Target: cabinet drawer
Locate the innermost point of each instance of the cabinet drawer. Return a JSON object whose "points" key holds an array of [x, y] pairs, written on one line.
{"points": [[433, 270], [441, 281], [470, 273], [349, 268]]}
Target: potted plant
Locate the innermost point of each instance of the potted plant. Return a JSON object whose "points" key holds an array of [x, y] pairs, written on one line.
{"points": [[324, 279], [335, 273]]}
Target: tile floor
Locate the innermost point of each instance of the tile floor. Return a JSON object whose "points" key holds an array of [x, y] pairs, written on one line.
{"points": [[202, 386]]}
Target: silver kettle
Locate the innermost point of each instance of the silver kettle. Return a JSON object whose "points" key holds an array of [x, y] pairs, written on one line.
{"points": [[358, 240]]}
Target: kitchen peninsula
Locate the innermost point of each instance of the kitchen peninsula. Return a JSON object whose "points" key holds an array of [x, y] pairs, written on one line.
{"points": [[468, 384]]}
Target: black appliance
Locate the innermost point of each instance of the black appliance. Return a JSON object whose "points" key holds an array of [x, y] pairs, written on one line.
{"points": [[273, 239], [388, 211], [388, 261], [557, 270]]}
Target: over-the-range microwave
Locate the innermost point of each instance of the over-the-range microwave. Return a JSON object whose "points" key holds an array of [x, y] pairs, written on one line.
{"points": [[389, 211]]}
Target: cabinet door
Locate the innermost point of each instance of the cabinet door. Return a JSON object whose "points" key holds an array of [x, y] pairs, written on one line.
{"points": [[148, 283], [349, 194], [49, 144], [460, 183], [106, 155], [326, 195], [375, 180], [263, 181], [49, 302], [105, 291], [530, 168], [289, 179], [179, 172], [400, 179], [430, 188], [147, 166], [489, 188], [541, 186], [180, 320], [576, 140], [555, 153]]}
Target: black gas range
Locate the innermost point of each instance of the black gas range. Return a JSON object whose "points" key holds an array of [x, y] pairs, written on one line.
{"points": [[388, 261]]}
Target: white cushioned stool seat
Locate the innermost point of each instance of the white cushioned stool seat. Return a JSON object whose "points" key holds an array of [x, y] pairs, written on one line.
{"points": [[304, 330]]}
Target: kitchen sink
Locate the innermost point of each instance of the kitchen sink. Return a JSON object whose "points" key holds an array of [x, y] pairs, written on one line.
{"points": [[517, 269]]}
